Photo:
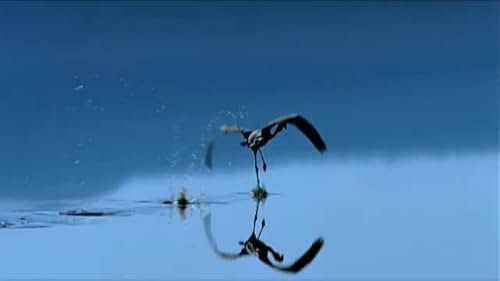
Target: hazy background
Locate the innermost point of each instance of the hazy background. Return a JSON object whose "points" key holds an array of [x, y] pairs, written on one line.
{"points": [[377, 79], [99, 98]]}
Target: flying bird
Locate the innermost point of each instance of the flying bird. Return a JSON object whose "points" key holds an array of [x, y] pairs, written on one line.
{"points": [[255, 246], [258, 138]]}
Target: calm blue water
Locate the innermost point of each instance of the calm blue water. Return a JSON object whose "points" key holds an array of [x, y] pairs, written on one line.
{"points": [[110, 107]]}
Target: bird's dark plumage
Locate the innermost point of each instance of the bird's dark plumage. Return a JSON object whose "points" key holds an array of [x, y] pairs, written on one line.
{"points": [[302, 124], [256, 139]]}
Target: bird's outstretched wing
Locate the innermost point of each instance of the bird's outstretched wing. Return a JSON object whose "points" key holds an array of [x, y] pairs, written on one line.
{"points": [[300, 263], [208, 154], [207, 223], [302, 124]]}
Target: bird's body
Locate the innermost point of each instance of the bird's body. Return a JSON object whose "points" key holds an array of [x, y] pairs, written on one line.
{"points": [[258, 138]]}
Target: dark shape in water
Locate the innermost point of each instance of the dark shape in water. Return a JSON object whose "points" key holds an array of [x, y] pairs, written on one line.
{"points": [[21, 225], [258, 138], [259, 194], [182, 202], [85, 213], [254, 246], [6, 224]]}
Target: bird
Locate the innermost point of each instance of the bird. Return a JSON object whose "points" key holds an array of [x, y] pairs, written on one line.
{"points": [[256, 139], [256, 247]]}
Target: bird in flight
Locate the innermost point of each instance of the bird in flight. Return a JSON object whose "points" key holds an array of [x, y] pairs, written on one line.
{"points": [[256, 247], [258, 138]]}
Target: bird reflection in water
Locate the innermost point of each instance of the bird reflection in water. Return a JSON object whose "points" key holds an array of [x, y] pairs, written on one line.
{"points": [[256, 247]]}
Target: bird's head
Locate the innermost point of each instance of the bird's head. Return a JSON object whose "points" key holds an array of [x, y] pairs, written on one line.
{"points": [[226, 129], [244, 143]]}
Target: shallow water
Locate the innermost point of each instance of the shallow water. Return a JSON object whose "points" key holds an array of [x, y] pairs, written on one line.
{"points": [[421, 217]]}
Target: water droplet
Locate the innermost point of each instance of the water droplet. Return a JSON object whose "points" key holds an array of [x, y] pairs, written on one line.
{"points": [[78, 88]]}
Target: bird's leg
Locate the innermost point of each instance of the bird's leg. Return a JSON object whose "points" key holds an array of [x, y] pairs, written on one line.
{"points": [[255, 216], [261, 228], [264, 165], [256, 168]]}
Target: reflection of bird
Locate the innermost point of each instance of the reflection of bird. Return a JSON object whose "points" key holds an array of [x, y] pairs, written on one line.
{"points": [[255, 246], [258, 138]]}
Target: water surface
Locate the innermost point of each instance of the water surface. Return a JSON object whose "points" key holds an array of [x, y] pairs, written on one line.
{"points": [[108, 108]]}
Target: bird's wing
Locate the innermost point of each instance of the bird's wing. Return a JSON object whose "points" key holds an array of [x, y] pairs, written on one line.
{"points": [[207, 222], [226, 129], [302, 124], [300, 263], [208, 154]]}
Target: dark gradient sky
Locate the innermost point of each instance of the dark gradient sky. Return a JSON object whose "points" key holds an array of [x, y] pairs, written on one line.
{"points": [[379, 78]]}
